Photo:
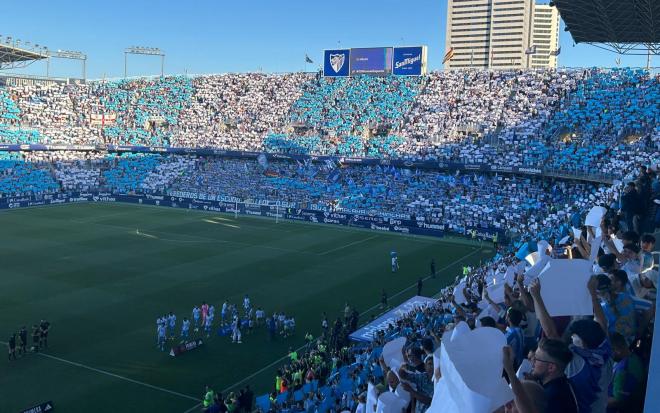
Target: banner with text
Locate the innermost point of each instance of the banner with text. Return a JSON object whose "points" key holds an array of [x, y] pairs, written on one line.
{"points": [[366, 333]]}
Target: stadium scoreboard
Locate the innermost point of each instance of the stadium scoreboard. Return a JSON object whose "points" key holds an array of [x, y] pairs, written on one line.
{"points": [[371, 61], [376, 61]]}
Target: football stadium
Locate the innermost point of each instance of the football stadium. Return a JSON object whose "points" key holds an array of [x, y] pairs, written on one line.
{"points": [[386, 234]]}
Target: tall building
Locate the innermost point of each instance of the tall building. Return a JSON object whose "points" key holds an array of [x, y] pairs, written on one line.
{"points": [[545, 36], [493, 34]]}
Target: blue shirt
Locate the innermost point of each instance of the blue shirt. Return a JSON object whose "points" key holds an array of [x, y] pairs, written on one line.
{"points": [[590, 373], [516, 339]]}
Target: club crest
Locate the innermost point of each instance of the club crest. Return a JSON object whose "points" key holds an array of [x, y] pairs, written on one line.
{"points": [[337, 61]]}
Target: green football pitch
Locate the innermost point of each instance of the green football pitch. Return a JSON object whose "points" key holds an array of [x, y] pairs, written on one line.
{"points": [[102, 273]]}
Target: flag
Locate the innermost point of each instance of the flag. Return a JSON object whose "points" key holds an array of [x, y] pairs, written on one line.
{"points": [[334, 175], [307, 59], [531, 50], [261, 159], [556, 52], [330, 165], [618, 61], [449, 55]]}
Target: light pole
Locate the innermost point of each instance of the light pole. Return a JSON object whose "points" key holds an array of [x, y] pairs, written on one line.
{"points": [[148, 51], [67, 54]]}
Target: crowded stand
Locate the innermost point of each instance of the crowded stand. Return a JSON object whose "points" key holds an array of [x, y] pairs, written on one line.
{"points": [[580, 121], [347, 106], [237, 111], [457, 202], [18, 178], [146, 110]]}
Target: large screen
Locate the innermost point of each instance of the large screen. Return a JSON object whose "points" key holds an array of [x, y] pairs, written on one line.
{"points": [[372, 61]]}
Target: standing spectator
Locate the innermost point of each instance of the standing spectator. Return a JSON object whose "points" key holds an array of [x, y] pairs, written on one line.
{"points": [[207, 401], [590, 368], [618, 305], [249, 397], [627, 390], [529, 396], [630, 207], [422, 393], [548, 364], [514, 335]]}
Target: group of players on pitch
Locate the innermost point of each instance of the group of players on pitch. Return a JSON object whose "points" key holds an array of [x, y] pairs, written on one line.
{"points": [[203, 317], [18, 342]]}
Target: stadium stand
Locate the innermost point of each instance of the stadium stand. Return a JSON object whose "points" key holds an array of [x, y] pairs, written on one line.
{"points": [[575, 121], [512, 118]]}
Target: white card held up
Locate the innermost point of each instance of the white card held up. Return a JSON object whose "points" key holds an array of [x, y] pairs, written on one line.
{"points": [[496, 292], [577, 233], [372, 398], [532, 258], [595, 216], [509, 276], [525, 368], [392, 354], [459, 297], [471, 364], [564, 288], [594, 247], [389, 402]]}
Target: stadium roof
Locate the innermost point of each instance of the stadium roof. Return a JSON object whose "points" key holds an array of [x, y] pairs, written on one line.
{"points": [[624, 26], [12, 56]]}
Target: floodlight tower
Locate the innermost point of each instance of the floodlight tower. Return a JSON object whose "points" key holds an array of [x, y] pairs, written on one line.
{"points": [[148, 51], [67, 54]]}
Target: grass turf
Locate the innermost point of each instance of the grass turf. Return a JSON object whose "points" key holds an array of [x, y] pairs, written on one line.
{"points": [[102, 284]]}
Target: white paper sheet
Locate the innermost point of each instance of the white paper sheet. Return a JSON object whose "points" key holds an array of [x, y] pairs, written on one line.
{"points": [[595, 216], [392, 354], [532, 258], [389, 402], [372, 398], [577, 233], [496, 292], [538, 267], [525, 368], [509, 276], [459, 297], [594, 247], [471, 364], [564, 288]]}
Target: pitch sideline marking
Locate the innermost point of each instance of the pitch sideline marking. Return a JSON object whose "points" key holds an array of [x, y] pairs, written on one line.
{"points": [[117, 376], [256, 373]]}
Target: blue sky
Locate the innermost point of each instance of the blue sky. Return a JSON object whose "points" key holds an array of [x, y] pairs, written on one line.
{"points": [[204, 36]]}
